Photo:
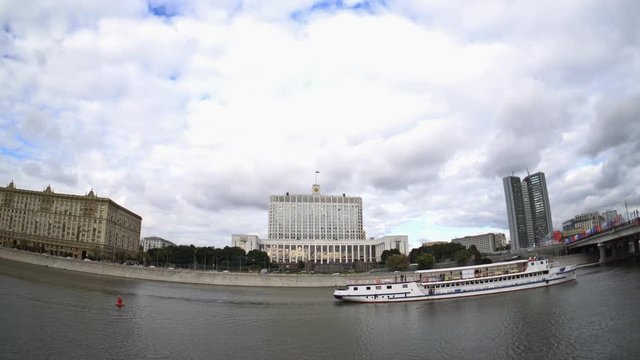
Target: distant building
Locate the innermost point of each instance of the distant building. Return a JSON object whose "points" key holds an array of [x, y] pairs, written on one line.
{"points": [[318, 228], [485, 243], [528, 211], [611, 216], [67, 225], [154, 242], [588, 221]]}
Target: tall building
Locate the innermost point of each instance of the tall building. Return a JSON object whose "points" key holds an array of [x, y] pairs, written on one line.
{"points": [[536, 186], [315, 216], [515, 212], [320, 229], [67, 225], [528, 210]]}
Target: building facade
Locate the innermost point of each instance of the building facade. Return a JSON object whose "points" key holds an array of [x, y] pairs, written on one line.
{"points": [[485, 243], [315, 216], [318, 228], [322, 251], [515, 212], [154, 242], [67, 225], [585, 222], [528, 210], [536, 185]]}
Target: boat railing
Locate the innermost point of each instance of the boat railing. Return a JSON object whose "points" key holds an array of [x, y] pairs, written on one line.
{"points": [[458, 277], [386, 280]]}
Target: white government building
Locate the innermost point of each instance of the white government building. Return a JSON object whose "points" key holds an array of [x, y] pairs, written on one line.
{"points": [[320, 229]]}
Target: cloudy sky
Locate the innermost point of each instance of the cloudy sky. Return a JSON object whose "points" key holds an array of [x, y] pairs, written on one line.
{"points": [[192, 113]]}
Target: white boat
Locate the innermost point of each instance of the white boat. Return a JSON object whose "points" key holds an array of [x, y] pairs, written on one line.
{"points": [[459, 282]]}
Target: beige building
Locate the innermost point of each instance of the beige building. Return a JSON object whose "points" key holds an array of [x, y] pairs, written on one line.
{"points": [[485, 243], [67, 225]]}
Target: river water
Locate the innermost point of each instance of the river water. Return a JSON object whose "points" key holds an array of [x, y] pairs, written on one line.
{"points": [[55, 314]]}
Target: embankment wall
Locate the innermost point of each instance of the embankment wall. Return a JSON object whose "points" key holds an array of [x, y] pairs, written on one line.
{"points": [[181, 275]]}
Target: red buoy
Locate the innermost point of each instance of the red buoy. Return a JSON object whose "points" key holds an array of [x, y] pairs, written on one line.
{"points": [[119, 302]]}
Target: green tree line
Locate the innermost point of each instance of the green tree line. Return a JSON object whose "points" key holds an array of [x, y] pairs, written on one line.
{"points": [[189, 256]]}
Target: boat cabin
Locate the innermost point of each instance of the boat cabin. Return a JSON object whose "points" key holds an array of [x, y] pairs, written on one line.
{"points": [[481, 271]]}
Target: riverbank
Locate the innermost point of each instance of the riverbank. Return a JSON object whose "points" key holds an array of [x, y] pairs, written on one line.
{"points": [[183, 275], [212, 277]]}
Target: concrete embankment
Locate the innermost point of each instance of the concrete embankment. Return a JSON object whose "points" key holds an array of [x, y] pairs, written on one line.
{"points": [[181, 275]]}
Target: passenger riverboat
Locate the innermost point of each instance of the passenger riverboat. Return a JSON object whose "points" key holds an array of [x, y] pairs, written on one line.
{"points": [[459, 282]]}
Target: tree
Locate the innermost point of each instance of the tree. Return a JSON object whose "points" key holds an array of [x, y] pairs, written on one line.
{"points": [[387, 253], [398, 262], [477, 257], [440, 252], [233, 256], [425, 261], [462, 256], [257, 259]]}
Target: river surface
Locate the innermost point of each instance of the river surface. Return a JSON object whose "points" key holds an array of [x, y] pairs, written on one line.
{"points": [[56, 314]]}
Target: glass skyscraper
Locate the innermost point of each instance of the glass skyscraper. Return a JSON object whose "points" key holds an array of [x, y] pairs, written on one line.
{"points": [[528, 210]]}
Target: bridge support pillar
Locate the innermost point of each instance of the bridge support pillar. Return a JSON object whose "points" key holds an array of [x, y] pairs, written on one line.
{"points": [[603, 253], [636, 246]]}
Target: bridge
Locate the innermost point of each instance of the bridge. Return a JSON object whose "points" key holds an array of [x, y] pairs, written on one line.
{"points": [[615, 243]]}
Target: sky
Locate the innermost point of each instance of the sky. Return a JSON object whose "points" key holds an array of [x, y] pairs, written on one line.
{"points": [[192, 113]]}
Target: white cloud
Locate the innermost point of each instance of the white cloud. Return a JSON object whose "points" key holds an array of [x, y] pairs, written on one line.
{"points": [[193, 118]]}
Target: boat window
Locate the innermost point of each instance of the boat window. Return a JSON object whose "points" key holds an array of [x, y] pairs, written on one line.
{"points": [[355, 288], [404, 286], [388, 286], [368, 287], [378, 287]]}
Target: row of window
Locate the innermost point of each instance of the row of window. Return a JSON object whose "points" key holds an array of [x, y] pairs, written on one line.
{"points": [[379, 287], [484, 281]]}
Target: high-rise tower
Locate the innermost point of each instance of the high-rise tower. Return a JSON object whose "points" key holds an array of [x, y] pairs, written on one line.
{"points": [[536, 185], [528, 210], [515, 212]]}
